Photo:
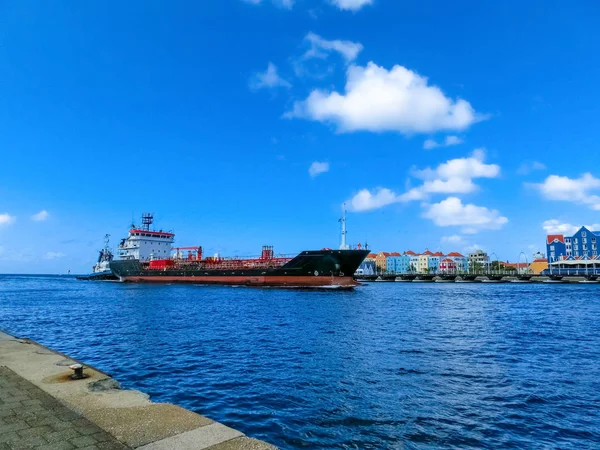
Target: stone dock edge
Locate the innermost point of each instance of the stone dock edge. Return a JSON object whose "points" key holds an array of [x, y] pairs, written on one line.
{"points": [[127, 415]]}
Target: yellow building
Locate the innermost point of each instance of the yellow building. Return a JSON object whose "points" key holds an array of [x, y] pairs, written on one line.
{"points": [[423, 263], [537, 266]]}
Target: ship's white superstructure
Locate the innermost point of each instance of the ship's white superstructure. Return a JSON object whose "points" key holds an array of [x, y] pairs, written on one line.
{"points": [[145, 245], [106, 256]]}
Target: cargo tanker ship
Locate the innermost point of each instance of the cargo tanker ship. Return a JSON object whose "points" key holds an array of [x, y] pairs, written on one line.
{"points": [[149, 257]]}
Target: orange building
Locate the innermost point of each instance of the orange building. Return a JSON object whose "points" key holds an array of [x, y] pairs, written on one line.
{"points": [[380, 260], [537, 266]]}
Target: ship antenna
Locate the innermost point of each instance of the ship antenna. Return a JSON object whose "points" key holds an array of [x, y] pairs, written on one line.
{"points": [[147, 219], [344, 246]]}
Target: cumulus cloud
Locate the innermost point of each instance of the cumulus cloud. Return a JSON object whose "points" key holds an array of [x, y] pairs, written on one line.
{"points": [[454, 239], [351, 5], [576, 190], [452, 177], [53, 255], [321, 48], [530, 166], [365, 200], [6, 219], [449, 141], [268, 79], [379, 100], [472, 218], [317, 168], [456, 175], [41, 216], [555, 226]]}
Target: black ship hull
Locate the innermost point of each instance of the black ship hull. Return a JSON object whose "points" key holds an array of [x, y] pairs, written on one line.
{"points": [[320, 269], [98, 276]]}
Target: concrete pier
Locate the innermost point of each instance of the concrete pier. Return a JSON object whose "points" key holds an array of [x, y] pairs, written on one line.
{"points": [[41, 407]]}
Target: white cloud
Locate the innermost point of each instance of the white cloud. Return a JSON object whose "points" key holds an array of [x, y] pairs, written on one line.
{"points": [[41, 216], [366, 201], [576, 190], [454, 239], [462, 168], [321, 48], [53, 255], [351, 5], [449, 141], [452, 212], [530, 166], [473, 248], [452, 177], [268, 79], [6, 219], [317, 168], [555, 226], [379, 100]]}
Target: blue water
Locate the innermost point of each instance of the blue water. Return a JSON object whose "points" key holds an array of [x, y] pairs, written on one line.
{"points": [[390, 365]]}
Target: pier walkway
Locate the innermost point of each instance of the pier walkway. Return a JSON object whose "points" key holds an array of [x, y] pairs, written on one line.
{"points": [[42, 408]]}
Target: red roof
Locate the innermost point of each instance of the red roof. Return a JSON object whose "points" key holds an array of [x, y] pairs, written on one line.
{"points": [[395, 254], [411, 253], [372, 255], [384, 253], [438, 254], [555, 237], [447, 260], [456, 254], [428, 253], [516, 265]]}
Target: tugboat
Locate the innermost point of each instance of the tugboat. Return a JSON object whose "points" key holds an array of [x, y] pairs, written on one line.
{"points": [[148, 257], [101, 270]]}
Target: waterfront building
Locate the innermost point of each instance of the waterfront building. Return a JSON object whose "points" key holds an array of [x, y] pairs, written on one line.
{"points": [[583, 244], [413, 261], [380, 261], [521, 268], [461, 262], [539, 255], [423, 264], [478, 260], [434, 262], [448, 265], [537, 266], [367, 268], [392, 263]]}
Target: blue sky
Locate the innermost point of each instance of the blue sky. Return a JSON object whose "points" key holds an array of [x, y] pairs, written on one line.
{"points": [[444, 125]]}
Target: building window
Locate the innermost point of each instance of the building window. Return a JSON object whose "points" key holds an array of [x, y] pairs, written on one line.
{"points": [[584, 241], [552, 248], [576, 241], [583, 234], [576, 253], [552, 255]]}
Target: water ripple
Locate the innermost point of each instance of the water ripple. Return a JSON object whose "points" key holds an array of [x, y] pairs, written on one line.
{"points": [[387, 366]]}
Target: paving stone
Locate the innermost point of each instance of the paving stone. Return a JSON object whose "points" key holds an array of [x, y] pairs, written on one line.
{"points": [[83, 441], [32, 419], [57, 446]]}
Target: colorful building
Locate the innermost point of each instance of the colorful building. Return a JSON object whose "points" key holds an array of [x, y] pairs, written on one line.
{"points": [[583, 244], [447, 265], [381, 261], [461, 262], [393, 263], [413, 261]]}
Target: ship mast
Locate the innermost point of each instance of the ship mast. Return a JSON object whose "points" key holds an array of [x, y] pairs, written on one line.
{"points": [[344, 246]]}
